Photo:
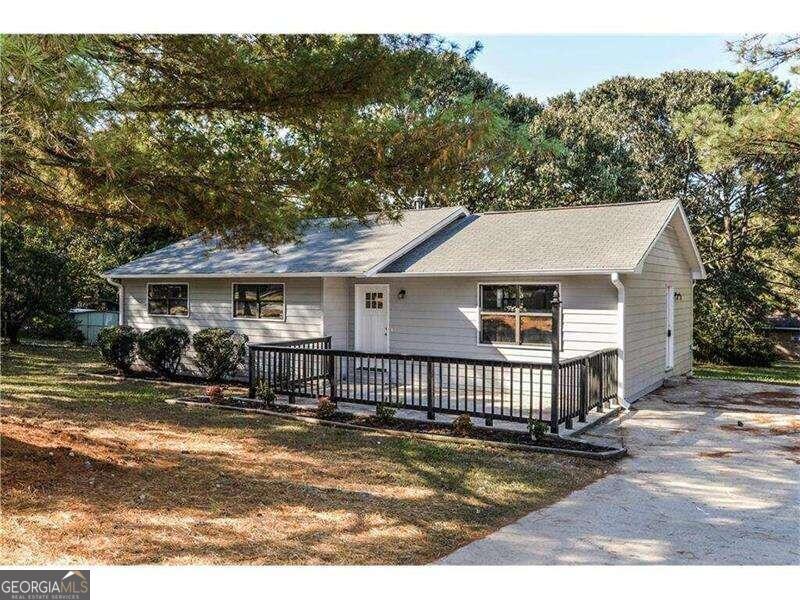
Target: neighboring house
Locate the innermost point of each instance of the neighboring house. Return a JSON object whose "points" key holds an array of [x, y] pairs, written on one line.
{"points": [[447, 283], [784, 330]]}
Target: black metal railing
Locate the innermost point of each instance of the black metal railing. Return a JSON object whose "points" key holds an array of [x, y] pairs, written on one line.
{"points": [[285, 372], [491, 389], [316, 343], [585, 383]]}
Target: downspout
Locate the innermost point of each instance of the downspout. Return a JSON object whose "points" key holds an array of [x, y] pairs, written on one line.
{"points": [[617, 281], [120, 299]]}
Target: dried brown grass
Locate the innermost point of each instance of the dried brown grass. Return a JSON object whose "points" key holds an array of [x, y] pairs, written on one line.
{"points": [[106, 472]]}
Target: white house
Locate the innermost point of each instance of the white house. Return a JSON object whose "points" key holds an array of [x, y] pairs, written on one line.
{"points": [[446, 283]]}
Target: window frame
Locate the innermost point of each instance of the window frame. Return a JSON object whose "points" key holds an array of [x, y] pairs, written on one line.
{"points": [[282, 318], [517, 313], [167, 315]]}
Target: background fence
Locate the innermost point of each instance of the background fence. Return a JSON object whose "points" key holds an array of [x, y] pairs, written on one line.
{"points": [[90, 322]]}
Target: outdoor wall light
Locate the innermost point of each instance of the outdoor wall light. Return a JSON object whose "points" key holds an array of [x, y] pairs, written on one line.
{"points": [[678, 296], [401, 295]]}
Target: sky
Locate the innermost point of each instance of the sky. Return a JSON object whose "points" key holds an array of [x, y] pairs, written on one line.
{"points": [[546, 65]]}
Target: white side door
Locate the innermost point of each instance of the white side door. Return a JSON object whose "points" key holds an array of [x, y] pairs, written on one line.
{"points": [[670, 314], [372, 317]]}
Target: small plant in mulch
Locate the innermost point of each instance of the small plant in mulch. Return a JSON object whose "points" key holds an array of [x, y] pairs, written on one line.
{"points": [[537, 429], [384, 412], [214, 394], [265, 394], [462, 426], [325, 407]]}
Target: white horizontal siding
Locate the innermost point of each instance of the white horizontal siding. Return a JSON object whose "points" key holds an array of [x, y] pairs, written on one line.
{"points": [[439, 316], [336, 306], [210, 305], [645, 317]]}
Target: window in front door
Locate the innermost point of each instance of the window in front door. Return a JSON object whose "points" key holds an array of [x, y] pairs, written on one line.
{"points": [[373, 300]]}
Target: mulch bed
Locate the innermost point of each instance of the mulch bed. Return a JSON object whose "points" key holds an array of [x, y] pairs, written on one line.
{"points": [[415, 426]]}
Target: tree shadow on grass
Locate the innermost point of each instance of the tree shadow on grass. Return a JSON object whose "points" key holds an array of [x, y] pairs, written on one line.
{"points": [[151, 482], [335, 494]]}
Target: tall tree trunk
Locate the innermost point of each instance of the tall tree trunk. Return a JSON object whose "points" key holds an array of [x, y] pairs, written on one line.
{"points": [[12, 331]]}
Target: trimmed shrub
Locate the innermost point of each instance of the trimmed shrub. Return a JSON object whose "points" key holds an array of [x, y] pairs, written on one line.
{"points": [[220, 352], [214, 394], [325, 407], [118, 346], [462, 425], [265, 394], [384, 412], [161, 349]]}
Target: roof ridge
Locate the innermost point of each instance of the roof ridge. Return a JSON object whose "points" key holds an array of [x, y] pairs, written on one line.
{"points": [[431, 208], [381, 214], [604, 205]]}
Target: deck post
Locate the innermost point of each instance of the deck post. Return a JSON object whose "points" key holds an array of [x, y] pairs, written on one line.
{"points": [[584, 391], [602, 384], [251, 391], [555, 342], [431, 412], [331, 377]]}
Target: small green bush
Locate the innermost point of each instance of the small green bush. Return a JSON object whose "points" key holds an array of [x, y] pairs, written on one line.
{"points": [[325, 407], [537, 429], [118, 346], [384, 412], [265, 394], [161, 349], [220, 352], [462, 425]]}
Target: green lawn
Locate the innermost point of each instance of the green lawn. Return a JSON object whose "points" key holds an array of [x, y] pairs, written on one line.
{"points": [[100, 471], [782, 372]]}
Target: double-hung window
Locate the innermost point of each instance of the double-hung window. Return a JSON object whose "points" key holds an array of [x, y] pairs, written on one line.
{"points": [[258, 301], [516, 314], [169, 299]]}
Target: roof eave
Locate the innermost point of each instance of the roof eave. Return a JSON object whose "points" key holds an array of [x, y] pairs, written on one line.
{"points": [[112, 275], [516, 273]]}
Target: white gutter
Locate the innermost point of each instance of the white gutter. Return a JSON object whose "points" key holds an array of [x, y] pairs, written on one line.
{"points": [[617, 281], [278, 275], [520, 273], [120, 299]]}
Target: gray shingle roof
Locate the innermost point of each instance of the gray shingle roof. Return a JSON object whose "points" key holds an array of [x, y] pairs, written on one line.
{"points": [[605, 238], [353, 249]]}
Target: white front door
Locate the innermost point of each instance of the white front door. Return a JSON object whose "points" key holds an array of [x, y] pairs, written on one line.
{"points": [[670, 328], [372, 317]]}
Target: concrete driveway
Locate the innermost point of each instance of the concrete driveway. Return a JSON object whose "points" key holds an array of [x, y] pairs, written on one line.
{"points": [[713, 477]]}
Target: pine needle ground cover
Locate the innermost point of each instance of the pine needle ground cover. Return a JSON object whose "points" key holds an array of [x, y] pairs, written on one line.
{"points": [[101, 471]]}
